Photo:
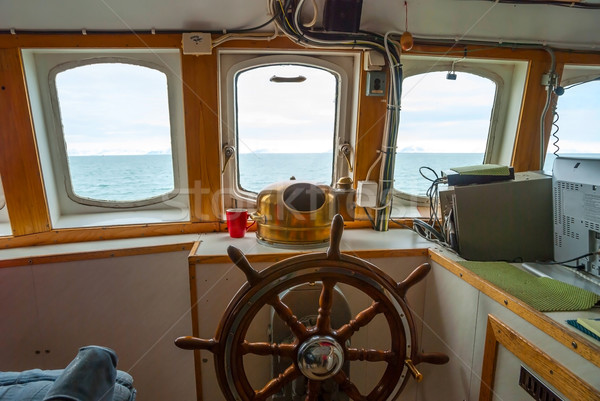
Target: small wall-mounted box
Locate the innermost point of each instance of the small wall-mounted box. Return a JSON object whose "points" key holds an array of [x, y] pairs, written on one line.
{"points": [[196, 43], [376, 83], [366, 194]]}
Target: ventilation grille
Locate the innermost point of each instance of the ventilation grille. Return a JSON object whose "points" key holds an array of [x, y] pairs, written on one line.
{"points": [[558, 240], [591, 226], [557, 204], [566, 227], [535, 388]]}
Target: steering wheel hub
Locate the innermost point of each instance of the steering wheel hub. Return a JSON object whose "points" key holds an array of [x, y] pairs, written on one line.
{"points": [[320, 357]]}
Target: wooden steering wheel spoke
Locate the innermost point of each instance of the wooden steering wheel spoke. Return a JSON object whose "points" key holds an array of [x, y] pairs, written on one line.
{"points": [[277, 383], [321, 352], [370, 355], [189, 342], [286, 314], [314, 387], [264, 348], [348, 387], [361, 320], [325, 303]]}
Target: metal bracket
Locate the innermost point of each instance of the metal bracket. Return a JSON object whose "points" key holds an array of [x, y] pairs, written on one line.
{"points": [[228, 152], [346, 150]]}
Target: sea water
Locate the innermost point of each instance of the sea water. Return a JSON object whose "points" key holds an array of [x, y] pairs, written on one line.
{"points": [[145, 176]]}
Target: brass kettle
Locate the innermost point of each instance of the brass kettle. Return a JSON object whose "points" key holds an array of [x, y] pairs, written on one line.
{"points": [[294, 214]]}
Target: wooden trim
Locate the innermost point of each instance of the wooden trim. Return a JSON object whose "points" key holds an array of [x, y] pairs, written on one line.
{"points": [[200, 99], [70, 235], [276, 257], [84, 234], [19, 166], [527, 141], [371, 118], [90, 255], [91, 40], [545, 366], [570, 339], [195, 323], [488, 368]]}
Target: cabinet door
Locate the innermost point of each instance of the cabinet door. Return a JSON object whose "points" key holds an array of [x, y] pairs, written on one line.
{"points": [[20, 339], [136, 305], [448, 326]]}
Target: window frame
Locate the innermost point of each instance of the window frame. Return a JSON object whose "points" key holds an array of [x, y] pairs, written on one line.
{"points": [[345, 65], [508, 75], [5, 228], [66, 210], [571, 74], [59, 133]]}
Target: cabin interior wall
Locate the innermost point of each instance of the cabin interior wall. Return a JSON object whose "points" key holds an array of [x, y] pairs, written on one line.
{"points": [[136, 305]]}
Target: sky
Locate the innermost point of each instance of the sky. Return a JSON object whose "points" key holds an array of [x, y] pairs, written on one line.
{"points": [[125, 111], [112, 109]]}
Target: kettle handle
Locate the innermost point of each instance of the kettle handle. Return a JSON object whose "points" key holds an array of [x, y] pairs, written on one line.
{"points": [[258, 218]]}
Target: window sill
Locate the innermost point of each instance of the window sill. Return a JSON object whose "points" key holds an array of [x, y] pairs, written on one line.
{"points": [[122, 218], [5, 229]]}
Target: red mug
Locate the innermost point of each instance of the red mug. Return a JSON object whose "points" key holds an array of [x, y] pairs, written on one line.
{"points": [[237, 222]]}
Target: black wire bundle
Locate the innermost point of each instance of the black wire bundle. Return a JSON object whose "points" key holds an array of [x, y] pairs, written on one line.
{"points": [[288, 20], [429, 230]]}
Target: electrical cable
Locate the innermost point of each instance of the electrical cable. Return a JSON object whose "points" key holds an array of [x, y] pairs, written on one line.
{"points": [[315, 15], [575, 259], [298, 33], [550, 89], [559, 3], [555, 119], [370, 218], [373, 165]]}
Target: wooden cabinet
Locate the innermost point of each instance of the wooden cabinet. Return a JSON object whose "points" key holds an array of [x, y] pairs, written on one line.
{"points": [[457, 321]]}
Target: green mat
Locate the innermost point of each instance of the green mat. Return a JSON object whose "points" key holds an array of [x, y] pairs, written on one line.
{"points": [[541, 293]]}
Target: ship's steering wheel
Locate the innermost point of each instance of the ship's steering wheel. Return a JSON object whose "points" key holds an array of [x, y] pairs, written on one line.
{"points": [[318, 352]]}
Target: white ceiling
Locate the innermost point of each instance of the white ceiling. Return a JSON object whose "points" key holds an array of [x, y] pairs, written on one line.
{"points": [[450, 19]]}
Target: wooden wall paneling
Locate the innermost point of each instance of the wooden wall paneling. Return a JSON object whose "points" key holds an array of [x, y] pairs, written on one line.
{"points": [[91, 40], [84, 234], [200, 97], [526, 152], [369, 135], [19, 163]]}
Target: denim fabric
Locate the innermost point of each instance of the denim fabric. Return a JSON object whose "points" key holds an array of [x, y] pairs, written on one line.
{"points": [[91, 376]]}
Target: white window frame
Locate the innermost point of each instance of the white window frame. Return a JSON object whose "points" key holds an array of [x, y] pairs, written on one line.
{"points": [[66, 208], [5, 228], [575, 73], [508, 75], [346, 66]]}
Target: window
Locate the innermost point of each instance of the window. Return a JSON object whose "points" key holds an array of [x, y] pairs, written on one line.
{"points": [[576, 131], [109, 126], [286, 116], [289, 129], [115, 124], [444, 123]]}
